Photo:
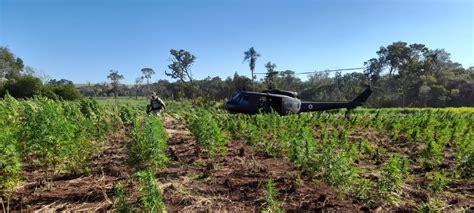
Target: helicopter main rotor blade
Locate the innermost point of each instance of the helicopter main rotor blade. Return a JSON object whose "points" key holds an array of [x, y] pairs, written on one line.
{"points": [[310, 72]]}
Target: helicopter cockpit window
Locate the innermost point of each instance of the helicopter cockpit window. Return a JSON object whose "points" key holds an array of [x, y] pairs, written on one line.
{"points": [[236, 98], [244, 99]]}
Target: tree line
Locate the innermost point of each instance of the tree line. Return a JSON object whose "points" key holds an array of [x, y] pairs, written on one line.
{"points": [[19, 81], [407, 75]]}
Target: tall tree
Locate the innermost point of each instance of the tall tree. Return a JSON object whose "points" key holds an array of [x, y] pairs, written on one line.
{"points": [[271, 73], [180, 68], [251, 56], [10, 66], [373, 69], [115, 78], [147, 73], [138, 82]]}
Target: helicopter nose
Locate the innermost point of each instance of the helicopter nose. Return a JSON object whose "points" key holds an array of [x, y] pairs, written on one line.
{"points": [[229, 106]]}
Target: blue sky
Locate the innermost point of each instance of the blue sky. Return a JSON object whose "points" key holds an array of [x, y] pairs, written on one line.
{"points": [[81, 40]]}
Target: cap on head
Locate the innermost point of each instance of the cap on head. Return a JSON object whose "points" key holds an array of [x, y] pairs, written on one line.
{"points": [[153, 94]]}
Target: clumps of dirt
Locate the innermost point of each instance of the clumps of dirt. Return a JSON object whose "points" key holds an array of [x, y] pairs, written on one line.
{"points": [[236, 181], [93, 191], [459, 194]]}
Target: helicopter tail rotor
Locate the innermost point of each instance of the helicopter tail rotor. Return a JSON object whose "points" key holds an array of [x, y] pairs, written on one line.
{"points": [[363, 96]]}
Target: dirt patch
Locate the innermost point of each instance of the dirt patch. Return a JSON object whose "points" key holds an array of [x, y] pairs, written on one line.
{"points": [[236, 182], [459, 194], [93, 191]]}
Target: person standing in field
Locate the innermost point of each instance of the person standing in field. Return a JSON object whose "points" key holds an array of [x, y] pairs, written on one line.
{"points": [[156, 104]]}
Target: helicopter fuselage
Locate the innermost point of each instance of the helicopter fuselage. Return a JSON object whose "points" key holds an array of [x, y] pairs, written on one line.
{"points": [[255, 102], [285, 102]]}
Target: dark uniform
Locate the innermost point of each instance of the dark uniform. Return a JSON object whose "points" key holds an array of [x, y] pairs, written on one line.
{"points": [[156, 105]]}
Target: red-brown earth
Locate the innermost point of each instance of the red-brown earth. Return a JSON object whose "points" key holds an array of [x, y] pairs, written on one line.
{"points": [[193, 182]]}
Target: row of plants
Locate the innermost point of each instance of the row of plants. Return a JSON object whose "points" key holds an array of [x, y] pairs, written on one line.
{"points": [[147, 153], [54, 137], [320, 145], [148, 146], [436, 132], [207, 131], [150, 194]]}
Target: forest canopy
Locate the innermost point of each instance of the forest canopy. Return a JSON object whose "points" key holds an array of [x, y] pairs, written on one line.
{"points": [[407, 75]]}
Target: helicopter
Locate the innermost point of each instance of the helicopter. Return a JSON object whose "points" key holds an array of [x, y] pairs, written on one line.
{"points": [[287, 102]]}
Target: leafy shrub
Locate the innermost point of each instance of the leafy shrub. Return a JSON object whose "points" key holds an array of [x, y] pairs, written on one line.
{"points": [[208, 133], [365, 191], [10, 158], [121, 203], [431, 206], [10, 163], [148, 146], [272, 204], [431, 155], [465, 153], [438, 182], [129, 115], [54, 135], [61, 91], [467, 167], [340, 171], [150, 192], [99, 117], [393, 177], [24, 86]]}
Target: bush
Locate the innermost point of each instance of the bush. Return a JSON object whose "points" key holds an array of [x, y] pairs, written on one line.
{"points": [[431, 155], [121, 202], [129, 115], [62, 91], [150, 192], [271, 198], [438, 182], [393, 177], [148, 147], [10, 159], [432, 205], [54, 133], [23, 87], [206, 129]]}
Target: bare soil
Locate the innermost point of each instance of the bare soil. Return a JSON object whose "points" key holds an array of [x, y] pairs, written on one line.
{"points": [[459, 193], [234, 182], [93, 191]]}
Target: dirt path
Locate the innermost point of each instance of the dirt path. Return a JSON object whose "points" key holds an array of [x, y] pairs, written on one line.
{"points": [[235, 183], [91, 192]]}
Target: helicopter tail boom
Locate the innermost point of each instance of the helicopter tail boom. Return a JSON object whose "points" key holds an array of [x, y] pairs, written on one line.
{"points": [[309, 106], [362, 97]]}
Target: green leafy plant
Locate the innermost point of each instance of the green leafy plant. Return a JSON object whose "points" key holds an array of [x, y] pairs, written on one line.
{"points": [[431, 155], [365, 191], [10, 158], [433, 205], [151, 195], [148, 146], [121, 203], [438, 182], [209, 134], [272, 204], [53, 134], [393, 178]]}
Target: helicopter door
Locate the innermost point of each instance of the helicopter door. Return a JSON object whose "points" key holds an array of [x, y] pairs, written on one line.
{"points": [[270, 103], [244, 100], [245, 103]]}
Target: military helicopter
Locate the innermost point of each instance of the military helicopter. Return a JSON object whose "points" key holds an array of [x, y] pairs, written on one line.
{"points": [[286, 102]]}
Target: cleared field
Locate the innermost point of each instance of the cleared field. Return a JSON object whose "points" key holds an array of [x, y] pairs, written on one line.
{"points": [[105, 155]]}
